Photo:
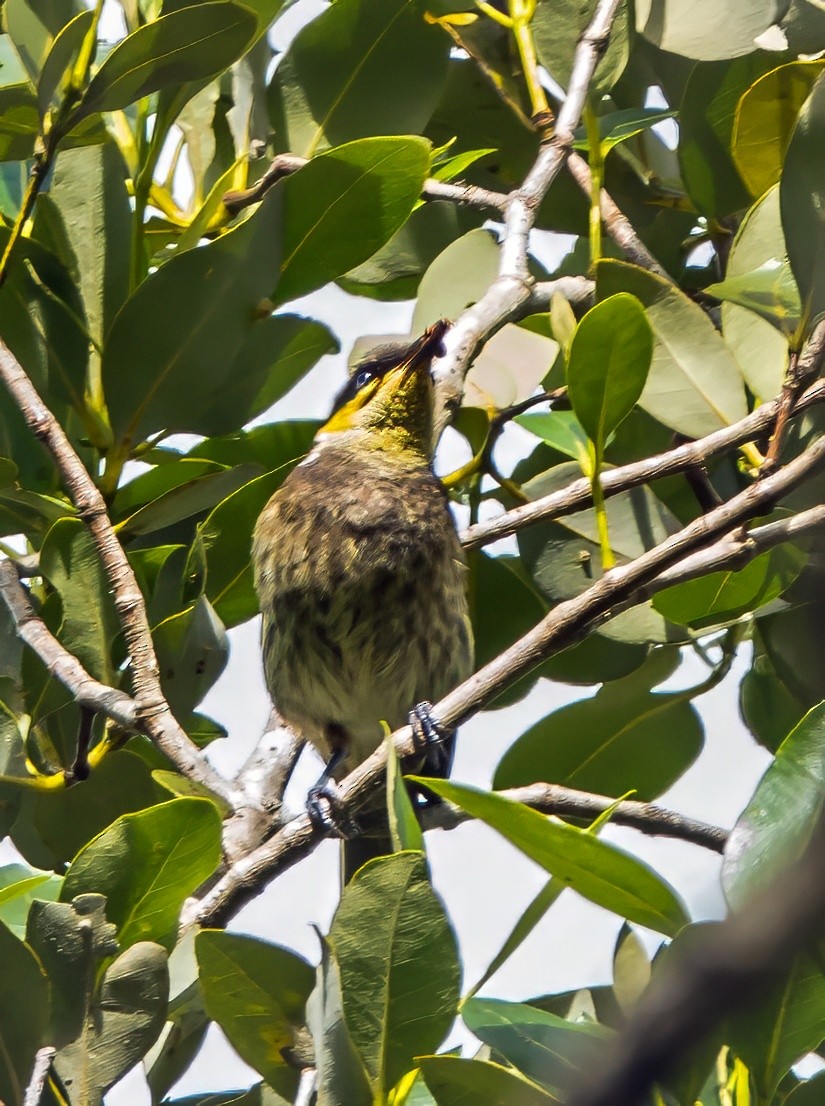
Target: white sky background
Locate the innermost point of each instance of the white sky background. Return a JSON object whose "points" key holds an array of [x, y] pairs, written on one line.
{"points": [[484, 883]]}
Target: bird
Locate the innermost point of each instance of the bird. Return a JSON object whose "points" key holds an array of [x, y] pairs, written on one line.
{"points": [[362, 581]]}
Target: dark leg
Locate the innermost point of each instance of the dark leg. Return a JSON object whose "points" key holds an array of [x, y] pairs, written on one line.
{"points": [[322, 797], [435, 740]]}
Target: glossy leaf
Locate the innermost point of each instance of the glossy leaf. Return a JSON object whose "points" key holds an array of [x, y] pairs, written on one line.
{"points": [[626, 738], [541, 1046], [561, 430], [766, 705], [190, 497], [342, 1080], [608, 364], [695, 385], [557, 29], [123, 1021], [722, 597], [802, 202], [20, 886], [90, 623], [783, 1024], [146, 864], [706, 120], [764, 121], [398, 966], [777, 823], [257, 993], [70, 939], [600, 872], [459, 276], [343, 205], [58, 66], [32, 26], [172, 347], [509, 369], [191, 44], [762, 353], [324, 87], [24, 1013], [457, 1082], [404, 828], [704, 29]]}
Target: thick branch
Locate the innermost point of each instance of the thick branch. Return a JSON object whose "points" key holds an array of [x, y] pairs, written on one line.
{"points": [[156, 718], [64, 667], [512, 287], [567, 623], [40, 1072], [284, 165], [566, 802], [715, 975], [578, 494]]}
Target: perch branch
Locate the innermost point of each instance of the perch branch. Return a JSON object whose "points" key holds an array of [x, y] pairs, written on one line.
{"points": [[567, 623]]}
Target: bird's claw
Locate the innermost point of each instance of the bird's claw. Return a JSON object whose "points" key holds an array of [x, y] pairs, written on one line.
{"points": [[326, 811], [429, 733]]}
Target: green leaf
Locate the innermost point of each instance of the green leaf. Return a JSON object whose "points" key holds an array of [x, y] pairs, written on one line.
{"points": [[600, 872], [695, 385], [70, 940], [509, 368], [608, 365], [541, 1046], [343, 205], [186, 1027], [122, 1023], [559, 429], [20, 886], [33, 24], [760, 344], [459, 276], [802, 202], [557, 29], [324, 89], [624, 739], [52, 826], [404, 828], [24, 1014], [706, 119], [90, 204], [618, 126], [808, 1093], [722, 597], [398, 966], [775, 826], [342, 1080], [90, 622], [764, 121], [704, 29], [780, 1025], [769, 291], [631, 969], [188, 498], [767, 707], [257, 993], [172, 348], [193, 44], [457, 1082], [19, 122], [146, 864], [58, 67]]}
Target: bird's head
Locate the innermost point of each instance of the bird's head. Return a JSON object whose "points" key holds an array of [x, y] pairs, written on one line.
{"points": [[388, 401]]}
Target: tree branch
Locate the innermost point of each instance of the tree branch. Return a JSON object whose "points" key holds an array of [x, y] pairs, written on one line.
{"points": [[566, 624], [616, 223], [578, 494], [156, 719], [283, 165], [512, 287], [61, 664], [566, 802], [40, 1071]]}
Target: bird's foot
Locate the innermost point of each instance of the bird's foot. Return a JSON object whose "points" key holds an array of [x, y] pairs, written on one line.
{"points": [[431, 736], [327, 812]]}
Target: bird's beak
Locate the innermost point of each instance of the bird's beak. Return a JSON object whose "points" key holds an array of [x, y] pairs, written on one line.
{"points": [[424, 349]]}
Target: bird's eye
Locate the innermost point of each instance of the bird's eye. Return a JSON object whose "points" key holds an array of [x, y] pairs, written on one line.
{"points": [[363, 378]]}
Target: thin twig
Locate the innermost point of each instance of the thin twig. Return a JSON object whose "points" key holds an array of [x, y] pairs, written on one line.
{"points": [[512, 287], [578, 494], [154, 713], [567, 623], [40, 1071], [283, 165], [616, 223], [566, 802]]}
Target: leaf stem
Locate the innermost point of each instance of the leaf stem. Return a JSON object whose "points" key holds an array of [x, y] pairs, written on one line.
{"points": [[521, 15], [608, 560], [596, 162]]}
